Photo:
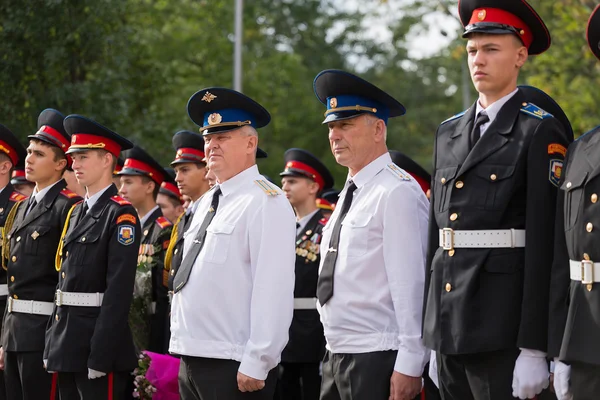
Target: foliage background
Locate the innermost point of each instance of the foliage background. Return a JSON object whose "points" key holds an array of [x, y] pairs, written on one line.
{"points": [[133, 64]]}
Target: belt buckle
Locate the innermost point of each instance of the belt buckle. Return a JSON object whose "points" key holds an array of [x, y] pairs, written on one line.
{"points": [[10, 304], [587, 272], [59, 298], [448, 239]]}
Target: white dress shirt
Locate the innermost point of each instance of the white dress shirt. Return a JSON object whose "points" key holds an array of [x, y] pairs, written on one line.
{"points": [[239, 299], [39, 196], [90, 201], [148, 214], [492, 110], [379, 275]]}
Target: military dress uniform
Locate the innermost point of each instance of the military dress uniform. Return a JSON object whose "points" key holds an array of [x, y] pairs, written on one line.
{"points": [[88, 333], [32, 234], [491, 224], [156, 234], [574, 299], [299, 369]]}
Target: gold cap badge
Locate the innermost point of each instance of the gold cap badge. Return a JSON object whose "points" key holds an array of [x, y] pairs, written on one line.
{"points": [[214, 118], [333, 102], [481, 15], [208, 97]]}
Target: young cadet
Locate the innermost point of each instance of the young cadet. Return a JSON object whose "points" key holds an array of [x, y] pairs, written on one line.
{"points": [[371, 278], [496, 172], [20, 182], [574, 298], [303, 179], [169, 197], [32, 233], [327, 200], [233, 293], [88, 341], [11, 153], [141, 178]]}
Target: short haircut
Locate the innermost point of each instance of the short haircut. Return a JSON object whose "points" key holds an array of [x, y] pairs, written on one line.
{"points": [[146, 179]]}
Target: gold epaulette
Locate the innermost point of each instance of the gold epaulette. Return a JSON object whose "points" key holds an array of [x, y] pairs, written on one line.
{"points": [[267, 187]]}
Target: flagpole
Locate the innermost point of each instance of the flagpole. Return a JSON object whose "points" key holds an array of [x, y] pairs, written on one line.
{"points": [[237, 52]]}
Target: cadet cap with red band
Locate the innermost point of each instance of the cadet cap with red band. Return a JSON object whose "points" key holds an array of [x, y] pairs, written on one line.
{"points": [[497, 17], [87, 134], [139, 162], [169, 186], [10, 145], [299, 162]]}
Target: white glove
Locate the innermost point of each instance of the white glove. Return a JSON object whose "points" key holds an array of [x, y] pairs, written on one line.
{"points": [[562, 375], [93, 374], [530, 375], [433, 369]]}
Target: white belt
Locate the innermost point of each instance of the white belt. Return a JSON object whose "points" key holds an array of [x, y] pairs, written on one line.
{"points": [[305, 303], [586, 272], [30, 306], [499, 238], [78, 299], [4, 290]]}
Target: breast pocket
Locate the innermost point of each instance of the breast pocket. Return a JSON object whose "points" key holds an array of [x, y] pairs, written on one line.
{"points": [[574, 188], [81, 250], [442, 187], [32, 239], [218, 242], [357, 229], [496, 186]]}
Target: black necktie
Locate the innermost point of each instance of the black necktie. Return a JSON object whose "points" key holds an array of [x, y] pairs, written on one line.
{"points": [[32, 203], [325, 282], [183, 274], [481, 119]]}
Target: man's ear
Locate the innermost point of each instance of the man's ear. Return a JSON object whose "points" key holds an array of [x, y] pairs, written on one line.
{"points": [[252, 144], [5, 167], [522, 56], [380, 130]]}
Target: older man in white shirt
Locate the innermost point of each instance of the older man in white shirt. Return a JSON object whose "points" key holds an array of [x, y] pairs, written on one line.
{"points": [[233, 293], [372, 274]]}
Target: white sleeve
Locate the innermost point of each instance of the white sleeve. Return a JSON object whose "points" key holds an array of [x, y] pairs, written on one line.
{"points": [[272, 259], [404, 251]]}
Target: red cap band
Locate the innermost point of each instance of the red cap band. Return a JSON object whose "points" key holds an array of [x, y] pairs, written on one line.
{"points": [[118, 169], [142, 166], [9, 151], [87, 141], [171, 188], [498, 16], [54, 136], [324, 205], [309, 171], [189, 154], [18, 173]]}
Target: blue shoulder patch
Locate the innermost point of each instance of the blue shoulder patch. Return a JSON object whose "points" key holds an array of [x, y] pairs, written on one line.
{"points": [[454, 117], [535, 111]]}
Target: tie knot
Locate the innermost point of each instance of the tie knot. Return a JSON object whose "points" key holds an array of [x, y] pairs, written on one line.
{"points": [[482, 118], [351, 186]]}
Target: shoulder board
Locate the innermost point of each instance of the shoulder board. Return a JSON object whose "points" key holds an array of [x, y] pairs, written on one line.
{"points": [[460, 114], [398, 172], [163, 222], [535, 111], [16, 196], [267, 187], [323, 221], [68, 194], [120, 201]]}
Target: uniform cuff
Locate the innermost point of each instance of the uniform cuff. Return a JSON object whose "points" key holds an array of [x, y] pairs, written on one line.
{"points": [[410, 364], [253, 368]]}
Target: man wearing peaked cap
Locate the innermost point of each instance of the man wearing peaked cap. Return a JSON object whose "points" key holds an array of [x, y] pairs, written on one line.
{"points": [[12, 153], [141, 180], [496, 171], [233, 293], [370, 286], [574, 298], [169, 197], [303, 179], [88, 340], [32, 232], [20, 182]]}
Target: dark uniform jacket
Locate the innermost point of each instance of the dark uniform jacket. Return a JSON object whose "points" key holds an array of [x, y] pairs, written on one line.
{"points": [[156, 234], [33, 240], [306, 338], [175, 251], [8, 198], [575, 310], [480, 300], [99, 255]]}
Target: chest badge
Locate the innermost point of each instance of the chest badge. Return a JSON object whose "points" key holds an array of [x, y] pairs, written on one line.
{"points": [[35, 235]]}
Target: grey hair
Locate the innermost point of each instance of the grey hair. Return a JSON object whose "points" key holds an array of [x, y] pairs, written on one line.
{"points": [[371, 119]]}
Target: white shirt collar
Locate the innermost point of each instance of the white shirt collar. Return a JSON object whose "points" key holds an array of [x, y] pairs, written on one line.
{"points": [[234, 183], [493, 109], [148, 214], [366, 174], [94, 199], [304, 220], [39, 196]]}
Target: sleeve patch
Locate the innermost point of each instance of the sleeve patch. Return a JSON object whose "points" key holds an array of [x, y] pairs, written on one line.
{"points": [[535, 111], [163, 222], [555, 148], [16, 196], [126, 217], [120, 201], [398, 172], [267, 187], [556, 167], [126, 235]]}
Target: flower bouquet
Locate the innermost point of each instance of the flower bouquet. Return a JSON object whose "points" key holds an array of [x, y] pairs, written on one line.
{"points": [[156, 377], [139, 313]]}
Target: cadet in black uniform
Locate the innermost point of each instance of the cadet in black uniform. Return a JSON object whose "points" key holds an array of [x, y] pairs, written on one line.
{"points": [[303, 179], [33, 230], [169, 197], [496, 173], [88, 341], [574, 299], [11, 153], [141, 178]]}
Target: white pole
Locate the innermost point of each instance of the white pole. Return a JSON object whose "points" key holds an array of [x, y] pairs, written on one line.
{"points": [[237, 52]]}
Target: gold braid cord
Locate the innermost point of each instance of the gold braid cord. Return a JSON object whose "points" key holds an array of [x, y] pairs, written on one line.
{"points": [[171, 248], [8, 224], [58, 258]]}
